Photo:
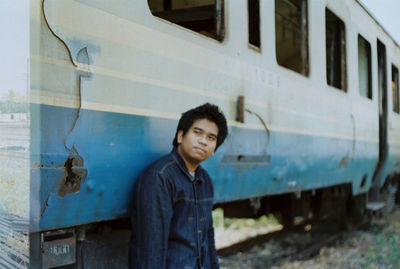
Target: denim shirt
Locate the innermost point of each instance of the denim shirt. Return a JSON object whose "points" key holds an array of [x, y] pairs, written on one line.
{"points": [[171, 222]]}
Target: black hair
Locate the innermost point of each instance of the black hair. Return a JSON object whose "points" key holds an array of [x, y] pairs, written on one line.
{"points": [[207, 111]]}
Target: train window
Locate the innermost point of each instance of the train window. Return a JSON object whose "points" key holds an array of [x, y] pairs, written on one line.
{"points": [[364, 67], [291, 35], [395, 89], [202, 16], [335, 51], [253, 7]]}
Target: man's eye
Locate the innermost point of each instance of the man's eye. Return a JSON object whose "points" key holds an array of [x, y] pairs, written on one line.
{"points": [[212, 138]]}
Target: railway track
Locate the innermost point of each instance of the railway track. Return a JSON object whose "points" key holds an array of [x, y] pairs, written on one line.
{"points": [[14, 246], [299, 242], [257, 240]]}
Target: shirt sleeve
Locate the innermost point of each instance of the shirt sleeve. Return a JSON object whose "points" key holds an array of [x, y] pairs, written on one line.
{"points": [[153, 213], [211, 241], [211, 237]]}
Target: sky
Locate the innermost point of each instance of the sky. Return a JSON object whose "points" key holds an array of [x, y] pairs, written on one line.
{"points": [[387, 13], [14, 45]]}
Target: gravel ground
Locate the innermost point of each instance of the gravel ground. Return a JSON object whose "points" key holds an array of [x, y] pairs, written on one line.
{"points": [[376, 247]]}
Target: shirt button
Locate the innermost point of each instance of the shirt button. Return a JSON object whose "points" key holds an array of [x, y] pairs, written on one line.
{"points": [[199, 231]]}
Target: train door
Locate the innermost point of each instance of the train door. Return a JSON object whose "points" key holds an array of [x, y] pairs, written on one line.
{"points": [[382, 95], [382, 104]]}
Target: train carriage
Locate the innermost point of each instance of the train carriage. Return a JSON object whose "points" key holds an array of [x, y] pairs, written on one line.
{"points": [[310, 90]]}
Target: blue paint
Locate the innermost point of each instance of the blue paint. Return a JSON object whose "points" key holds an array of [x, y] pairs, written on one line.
{"points": [[116, 148]]}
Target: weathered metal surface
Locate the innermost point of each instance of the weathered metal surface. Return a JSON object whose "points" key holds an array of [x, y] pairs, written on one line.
{"points": [[59, 251], [98, 92], [239, 171]]}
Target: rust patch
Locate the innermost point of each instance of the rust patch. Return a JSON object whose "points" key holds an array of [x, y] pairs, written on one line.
{"points": [[75, 174], [344, 162], [242, 163], [39, 165]]}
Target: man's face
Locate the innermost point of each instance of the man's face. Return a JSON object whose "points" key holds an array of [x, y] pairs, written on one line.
{"points": [[199, 142]]}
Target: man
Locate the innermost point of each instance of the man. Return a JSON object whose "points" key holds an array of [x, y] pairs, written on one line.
{"points": [[172, 222]]}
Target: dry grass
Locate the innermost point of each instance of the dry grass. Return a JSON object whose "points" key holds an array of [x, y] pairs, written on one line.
{"points": [[14, 168]]}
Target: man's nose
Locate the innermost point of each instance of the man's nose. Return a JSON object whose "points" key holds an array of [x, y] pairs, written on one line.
{"points": [[203, 140]]}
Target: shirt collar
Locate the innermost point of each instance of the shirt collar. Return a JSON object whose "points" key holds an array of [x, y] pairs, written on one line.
{"points": [[181, 163]]}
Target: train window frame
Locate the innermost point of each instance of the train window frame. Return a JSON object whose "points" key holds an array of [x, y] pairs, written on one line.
{"points": [[171, 15], [254, 24], [395, 90], [361, 41], [302, 63], [331, 77]]}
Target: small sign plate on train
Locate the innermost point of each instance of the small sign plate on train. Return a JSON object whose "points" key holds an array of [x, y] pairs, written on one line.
{"points": [[59, 252]]}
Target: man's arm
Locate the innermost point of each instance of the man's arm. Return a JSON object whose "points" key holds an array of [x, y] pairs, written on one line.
{"points": [[211, 246], [153, 205]]}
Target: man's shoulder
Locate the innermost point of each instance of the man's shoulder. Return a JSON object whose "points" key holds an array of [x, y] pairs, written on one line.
{"points": [[153, 174], [160, 165]]}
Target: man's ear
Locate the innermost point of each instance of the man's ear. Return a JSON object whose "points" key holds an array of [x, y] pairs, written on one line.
{"points": [[179, 136]]}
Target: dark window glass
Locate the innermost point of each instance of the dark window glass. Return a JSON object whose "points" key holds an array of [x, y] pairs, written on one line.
{"points": [[202, 16], [291, 35], [253, 7], [335, 51], [364, 67], [395, 89]]}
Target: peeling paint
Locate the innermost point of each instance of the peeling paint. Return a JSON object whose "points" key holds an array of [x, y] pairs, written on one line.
{"points": [[75, 174], [74, 171]]}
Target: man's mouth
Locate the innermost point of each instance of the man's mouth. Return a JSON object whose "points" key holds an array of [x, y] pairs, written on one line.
{"points": [[200, 149]]}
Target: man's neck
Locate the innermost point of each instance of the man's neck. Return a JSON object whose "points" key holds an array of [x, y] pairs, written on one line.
{"points": [[190, 166]]}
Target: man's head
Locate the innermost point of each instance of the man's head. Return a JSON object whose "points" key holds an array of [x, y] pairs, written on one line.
{"points": [[206, 111], [200, 132]]}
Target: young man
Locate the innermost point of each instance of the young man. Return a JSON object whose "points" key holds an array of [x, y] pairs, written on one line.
{"points": [[172, 222]]}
